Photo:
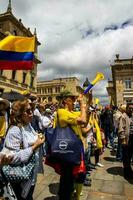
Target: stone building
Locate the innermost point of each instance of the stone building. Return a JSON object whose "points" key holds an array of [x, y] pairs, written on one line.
{"points": [[49, 90], [120, 88], [17, 80]]}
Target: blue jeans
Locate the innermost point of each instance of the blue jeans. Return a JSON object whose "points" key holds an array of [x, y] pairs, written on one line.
{"points": [[109, 136], [88, 154], [119, 151]]}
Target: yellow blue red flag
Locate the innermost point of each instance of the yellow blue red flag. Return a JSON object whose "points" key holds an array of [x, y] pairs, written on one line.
{"points": [[17, 53]]}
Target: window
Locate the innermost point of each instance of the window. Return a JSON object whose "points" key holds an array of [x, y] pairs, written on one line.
{"points": [[1, 72], [129, 101], [15, 32], [49, 90], [13, 74], [128, 84], [24, 77], [39, 91], [1, 91], [44, 90], [31, 81], [57, 89], [1, 27]]}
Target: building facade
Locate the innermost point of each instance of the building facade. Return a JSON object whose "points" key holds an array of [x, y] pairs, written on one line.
{"points": [[120, 88], [17, 80], [49, 90]]}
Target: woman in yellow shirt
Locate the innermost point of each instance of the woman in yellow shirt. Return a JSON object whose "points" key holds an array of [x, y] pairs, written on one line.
{"points": [[67, 117]]}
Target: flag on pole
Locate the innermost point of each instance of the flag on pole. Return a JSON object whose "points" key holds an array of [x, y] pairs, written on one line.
{"points": [[17, 53], [99, 76]]}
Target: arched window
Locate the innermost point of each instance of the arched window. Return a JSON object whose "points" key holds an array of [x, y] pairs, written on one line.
{"points": [[13, 74], [15, 32], [24, 77], [128, 83], [31, 81]]}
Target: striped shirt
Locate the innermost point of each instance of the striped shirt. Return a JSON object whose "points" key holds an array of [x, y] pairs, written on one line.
{"points": [[16, 138], [19, 142]]}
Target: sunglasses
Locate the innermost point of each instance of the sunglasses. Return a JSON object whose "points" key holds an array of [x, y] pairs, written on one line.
{"points": [[130, 108], [28, 111]]}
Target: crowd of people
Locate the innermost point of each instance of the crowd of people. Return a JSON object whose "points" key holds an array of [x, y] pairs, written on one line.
{"points": [[25, 127]]}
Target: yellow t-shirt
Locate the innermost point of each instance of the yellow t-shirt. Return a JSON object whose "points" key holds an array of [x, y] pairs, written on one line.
{"points": [[66, 118], [2, 126]]}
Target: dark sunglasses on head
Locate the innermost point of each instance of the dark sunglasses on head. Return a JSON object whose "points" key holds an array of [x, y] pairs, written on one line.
{"points": [[28, 111]]}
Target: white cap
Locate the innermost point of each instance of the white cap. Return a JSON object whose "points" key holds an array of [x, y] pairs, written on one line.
{"points": [[48, 110]]}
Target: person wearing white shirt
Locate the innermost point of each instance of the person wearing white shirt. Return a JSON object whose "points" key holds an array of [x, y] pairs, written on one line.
{"points": [[47, 119]]}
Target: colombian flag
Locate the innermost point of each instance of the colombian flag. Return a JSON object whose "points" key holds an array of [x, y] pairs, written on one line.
{"points": [[17, 53]]}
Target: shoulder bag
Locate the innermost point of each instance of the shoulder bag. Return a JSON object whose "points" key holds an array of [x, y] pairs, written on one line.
{"points": [[65, 146], [21, 172]]}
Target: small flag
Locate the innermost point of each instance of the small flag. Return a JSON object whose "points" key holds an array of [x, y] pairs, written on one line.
{"points": [[17, 53], [99, 76]]}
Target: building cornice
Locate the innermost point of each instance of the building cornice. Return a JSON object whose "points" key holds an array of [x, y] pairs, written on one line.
{"points": [[12, 85], [130, 65], [50, 84], [121, 60], [18, 23], [70, 77], [57, 79]]}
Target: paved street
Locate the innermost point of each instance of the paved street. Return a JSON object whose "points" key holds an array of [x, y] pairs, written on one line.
{"points": [[107, 183]]}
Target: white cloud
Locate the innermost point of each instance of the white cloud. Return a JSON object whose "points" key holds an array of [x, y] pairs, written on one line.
{"points": [[73, 38]]}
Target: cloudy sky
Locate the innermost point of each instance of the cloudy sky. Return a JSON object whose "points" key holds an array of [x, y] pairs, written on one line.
{"points": [[78, 37]]}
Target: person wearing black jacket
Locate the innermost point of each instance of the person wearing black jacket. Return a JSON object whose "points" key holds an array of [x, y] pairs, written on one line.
{"points": [[108, 125]]}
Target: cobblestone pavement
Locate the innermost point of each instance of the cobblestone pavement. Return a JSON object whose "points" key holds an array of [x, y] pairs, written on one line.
{"points": [[107, 182]]}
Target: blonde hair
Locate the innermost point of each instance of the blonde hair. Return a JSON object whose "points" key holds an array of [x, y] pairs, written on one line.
{"points": [[123, 107]]}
